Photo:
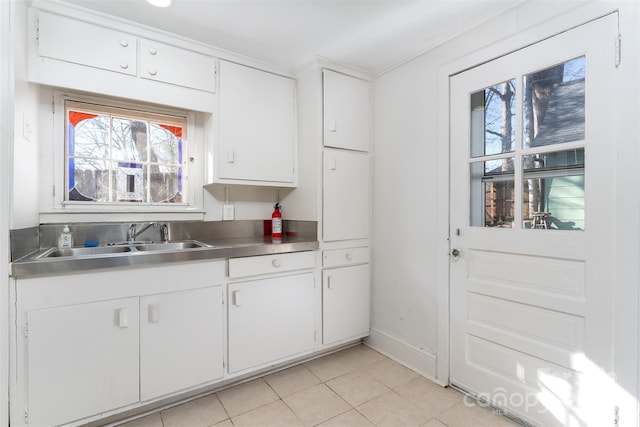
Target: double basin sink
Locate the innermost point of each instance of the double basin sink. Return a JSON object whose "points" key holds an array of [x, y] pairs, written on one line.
{"points": [[128, 247]]}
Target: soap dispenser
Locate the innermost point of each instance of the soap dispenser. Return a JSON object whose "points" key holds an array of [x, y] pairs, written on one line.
{"points": [[66, 238]]}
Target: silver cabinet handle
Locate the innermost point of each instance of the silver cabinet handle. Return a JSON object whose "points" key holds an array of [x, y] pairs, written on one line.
{"points": [[455, 253]]}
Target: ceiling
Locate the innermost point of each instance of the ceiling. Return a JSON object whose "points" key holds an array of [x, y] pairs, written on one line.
{"points": [[373, 35]]}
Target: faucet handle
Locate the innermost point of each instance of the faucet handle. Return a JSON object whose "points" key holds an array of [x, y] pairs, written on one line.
{"points": [[164, 233]]}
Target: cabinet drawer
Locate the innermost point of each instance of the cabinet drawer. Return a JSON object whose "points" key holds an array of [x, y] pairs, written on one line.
{"points": [[340, 257], [269, 264]]}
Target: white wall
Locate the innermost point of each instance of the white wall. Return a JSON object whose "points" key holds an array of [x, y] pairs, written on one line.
{"points": [[26, 172], [411, 187], [405, 197]]}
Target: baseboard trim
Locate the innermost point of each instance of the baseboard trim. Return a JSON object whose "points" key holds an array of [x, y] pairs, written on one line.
{"points": [[414, 358]]}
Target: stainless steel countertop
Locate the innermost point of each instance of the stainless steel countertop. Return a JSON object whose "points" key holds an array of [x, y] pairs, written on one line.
{"points": [[30, 265]]}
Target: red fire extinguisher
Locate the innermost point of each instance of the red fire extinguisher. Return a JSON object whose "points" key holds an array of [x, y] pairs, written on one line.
{"points": [[276, 222]]}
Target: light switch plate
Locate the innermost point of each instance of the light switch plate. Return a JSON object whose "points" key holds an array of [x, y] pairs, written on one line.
{"points": [[228, 212]]}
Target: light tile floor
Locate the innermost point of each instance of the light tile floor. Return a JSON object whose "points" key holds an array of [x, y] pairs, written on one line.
{"points": [[354, 387]]}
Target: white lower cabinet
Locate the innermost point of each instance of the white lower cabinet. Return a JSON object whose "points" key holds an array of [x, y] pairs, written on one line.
{"points": [[270, 319], [81, 360], [345, 298], [180, 340], [89, 345]]}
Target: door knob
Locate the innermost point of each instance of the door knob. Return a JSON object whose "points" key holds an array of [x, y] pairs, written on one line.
{"points": [[455, 253]]}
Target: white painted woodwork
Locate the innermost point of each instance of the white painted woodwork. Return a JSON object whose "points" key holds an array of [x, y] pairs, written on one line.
{"points": [[257, 127], [269, 264], [177, 66], [82, 43], [345, 303], [345, 203], [347, 106], [532, 311], [181, 336], [269, 320], [342, 257], [82, 360]]}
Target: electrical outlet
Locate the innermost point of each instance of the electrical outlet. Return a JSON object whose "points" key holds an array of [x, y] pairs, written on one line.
{"points": [[228, 212]]}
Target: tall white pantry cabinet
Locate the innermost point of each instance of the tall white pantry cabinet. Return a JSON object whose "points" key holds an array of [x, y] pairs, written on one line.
{"points": [[345, 207]]}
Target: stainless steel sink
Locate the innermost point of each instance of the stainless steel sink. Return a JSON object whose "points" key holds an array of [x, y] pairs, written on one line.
{"points": [[121, 249], [80, 252], [171, 246]]}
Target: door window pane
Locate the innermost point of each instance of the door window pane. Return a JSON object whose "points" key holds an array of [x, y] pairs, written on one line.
{"points": [[553, 190], [554, 104], [492, 120], [492, 193]]}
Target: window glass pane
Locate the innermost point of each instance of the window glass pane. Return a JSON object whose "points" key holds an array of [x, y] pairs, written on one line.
{"points": [[553, 190], [492, 193], [88, 135], [129, 139], [166, 184], [554, 104], [89, 180], [492, 125], [131, 182], [166, 143]]}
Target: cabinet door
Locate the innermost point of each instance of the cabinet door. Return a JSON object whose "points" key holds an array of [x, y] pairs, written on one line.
{"points": [[180, 340], [82, 360], [270, 319], [170, 64], [345, 195], [345, 303], [87, 44], [346, 111], [257, 125]]}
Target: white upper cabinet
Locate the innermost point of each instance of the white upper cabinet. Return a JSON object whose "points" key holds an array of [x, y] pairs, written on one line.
{"points": [[98, 55], [347, 121], [345, 205], [257, 128], [169, 64], [70, 40]]}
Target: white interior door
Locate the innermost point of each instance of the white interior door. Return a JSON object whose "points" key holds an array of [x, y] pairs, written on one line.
{"points": [[533, 143]]}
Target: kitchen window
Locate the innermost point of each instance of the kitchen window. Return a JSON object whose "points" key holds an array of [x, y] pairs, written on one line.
{"points": [[120, 156]]}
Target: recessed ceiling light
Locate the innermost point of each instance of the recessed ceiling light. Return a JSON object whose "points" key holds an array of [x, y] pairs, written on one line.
{"points": [[160, 3]]}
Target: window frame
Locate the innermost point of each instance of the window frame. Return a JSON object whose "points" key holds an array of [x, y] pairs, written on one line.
{"points": [[192, 208]]}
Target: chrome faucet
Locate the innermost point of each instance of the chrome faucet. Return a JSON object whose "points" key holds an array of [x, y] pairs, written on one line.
{"points": [[164, 233], [133, 233]]}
